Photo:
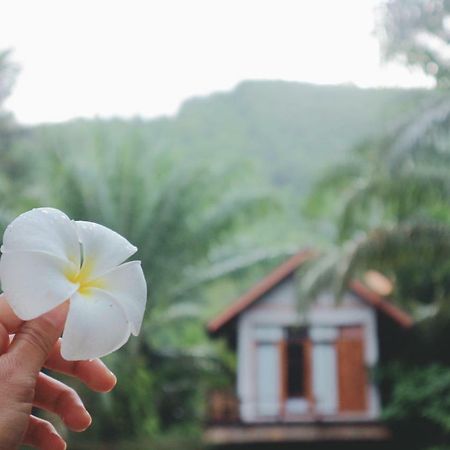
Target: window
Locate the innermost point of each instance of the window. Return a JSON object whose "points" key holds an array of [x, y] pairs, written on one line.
{"points": [[295, 369]]}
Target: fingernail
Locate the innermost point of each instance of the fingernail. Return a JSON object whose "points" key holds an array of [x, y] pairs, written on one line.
{"points": [[113, 377], [90, 421], [113, 384]]}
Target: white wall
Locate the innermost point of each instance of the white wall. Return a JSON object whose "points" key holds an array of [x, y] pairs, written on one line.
{"points": [[279, 309]]}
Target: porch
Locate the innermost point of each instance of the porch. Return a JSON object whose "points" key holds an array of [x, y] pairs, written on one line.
{"points": [[226, 428]]}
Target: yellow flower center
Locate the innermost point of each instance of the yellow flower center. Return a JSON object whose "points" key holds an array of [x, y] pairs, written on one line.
{"points": [[82, 277]]}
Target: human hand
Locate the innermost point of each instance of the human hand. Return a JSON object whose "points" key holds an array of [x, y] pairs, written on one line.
{"points": [[35, 345]]}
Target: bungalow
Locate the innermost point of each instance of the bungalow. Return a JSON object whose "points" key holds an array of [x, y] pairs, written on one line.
{"points": [[303, 375]]}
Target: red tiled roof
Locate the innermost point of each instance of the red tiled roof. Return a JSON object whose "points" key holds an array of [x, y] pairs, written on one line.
{"points": [[288, 268]]}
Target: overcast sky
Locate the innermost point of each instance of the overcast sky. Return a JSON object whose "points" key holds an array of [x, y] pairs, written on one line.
{"points": [[131, 57]]}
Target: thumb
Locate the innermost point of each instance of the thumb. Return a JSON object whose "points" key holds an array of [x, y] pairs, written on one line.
{"points": [[36, 338]]}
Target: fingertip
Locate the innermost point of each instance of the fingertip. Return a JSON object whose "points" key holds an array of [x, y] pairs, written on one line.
{"points": [[87, 423], [112, 380], [78, 419], [100, 378], [56, 442]]}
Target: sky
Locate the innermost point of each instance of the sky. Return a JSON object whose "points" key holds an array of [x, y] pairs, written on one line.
{"points": [[85, 58]]}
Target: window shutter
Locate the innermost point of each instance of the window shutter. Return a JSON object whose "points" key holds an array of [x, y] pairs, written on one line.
{"points": [[283, 376], [308, 372], [351, 370]]}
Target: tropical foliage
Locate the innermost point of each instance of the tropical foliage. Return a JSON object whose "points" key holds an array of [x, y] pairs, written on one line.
{"points": [[417, 33], [391, 205], [187, 216], [416, 385], [216, 194], [12, 169]]}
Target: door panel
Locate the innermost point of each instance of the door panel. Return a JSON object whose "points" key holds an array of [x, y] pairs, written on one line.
{"points": [[282, 346], [308, 372], [352, 371]]}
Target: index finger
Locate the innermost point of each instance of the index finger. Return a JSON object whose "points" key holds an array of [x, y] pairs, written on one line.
{"points": [[93, 373], [7, 317]]}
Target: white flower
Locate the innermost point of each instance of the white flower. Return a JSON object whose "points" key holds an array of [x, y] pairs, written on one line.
{"points": [[48, 258]]}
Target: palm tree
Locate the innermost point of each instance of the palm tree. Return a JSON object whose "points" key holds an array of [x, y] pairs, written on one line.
{"points": [[187, 217], [391, 204], [12, 166]]}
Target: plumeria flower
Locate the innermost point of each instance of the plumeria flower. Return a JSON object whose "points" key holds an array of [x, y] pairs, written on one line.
{"points": [[48, 258]]}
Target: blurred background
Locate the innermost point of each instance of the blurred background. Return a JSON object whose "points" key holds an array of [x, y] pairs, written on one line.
{"points": [[221, 137]]}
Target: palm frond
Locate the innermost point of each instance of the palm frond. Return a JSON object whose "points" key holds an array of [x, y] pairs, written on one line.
{"points": [[384, 249], [230, 266], [413, 137]]}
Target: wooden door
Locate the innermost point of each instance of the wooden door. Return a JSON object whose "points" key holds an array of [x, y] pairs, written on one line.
{"points": [[283, 393], [352, 373], [307, 354]]}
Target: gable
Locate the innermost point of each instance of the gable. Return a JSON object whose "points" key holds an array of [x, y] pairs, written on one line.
{"points": [[276, 290], [284, 297]]}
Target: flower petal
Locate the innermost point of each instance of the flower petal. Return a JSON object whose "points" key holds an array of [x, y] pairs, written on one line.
{"points": [[126, 283], [103, 248], [46, 230], [34, 282], [96, 325]]}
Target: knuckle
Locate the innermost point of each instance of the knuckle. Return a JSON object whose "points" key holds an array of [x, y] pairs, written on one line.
{"points": [[68, 395], [36, 336], [9, 368], [16, 384], [11, 373]]}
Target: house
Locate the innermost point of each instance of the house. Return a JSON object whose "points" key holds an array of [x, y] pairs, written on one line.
{"points": [[303, 374]]}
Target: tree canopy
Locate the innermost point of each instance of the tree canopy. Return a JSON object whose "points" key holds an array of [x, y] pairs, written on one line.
{"points": [[417, 32]]}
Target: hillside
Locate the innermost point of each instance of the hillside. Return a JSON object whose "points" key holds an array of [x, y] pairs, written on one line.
{"points": [[292, 131]]}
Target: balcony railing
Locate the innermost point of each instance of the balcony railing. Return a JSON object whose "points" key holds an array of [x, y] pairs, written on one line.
{"points": [[224, 426], [223, 407]]}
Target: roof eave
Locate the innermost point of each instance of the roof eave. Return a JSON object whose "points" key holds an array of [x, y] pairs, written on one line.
{"points": [[226, 318]]}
